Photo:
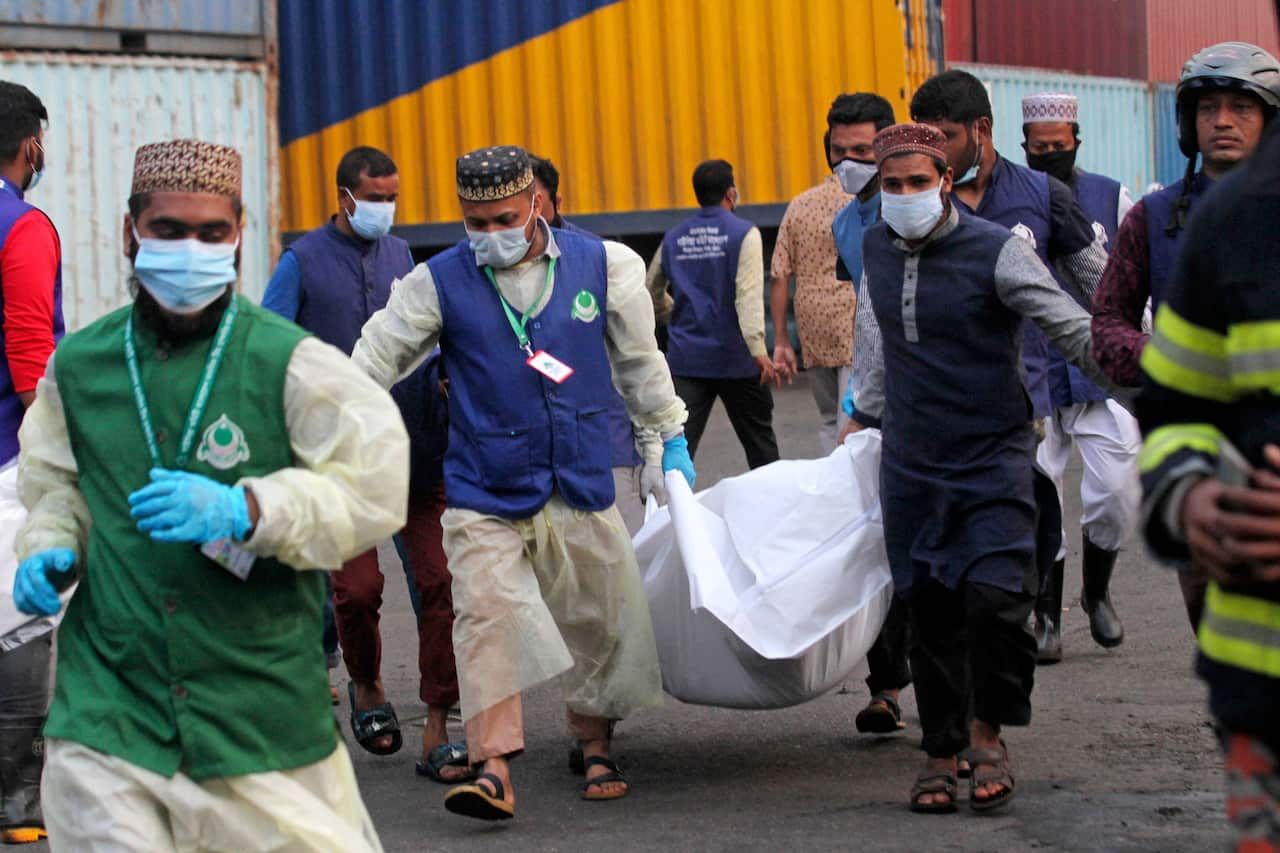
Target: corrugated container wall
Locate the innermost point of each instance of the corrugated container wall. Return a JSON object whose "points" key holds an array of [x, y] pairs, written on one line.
{"points": [[101, 108], [1178, 28], [1100, 37], [1137, 39], [1171, 163], [188, 27], [1115, 119], [626, 96]]}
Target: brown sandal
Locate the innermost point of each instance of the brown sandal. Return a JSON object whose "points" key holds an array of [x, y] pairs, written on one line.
{"points": [[934, 782], [990, 767]]}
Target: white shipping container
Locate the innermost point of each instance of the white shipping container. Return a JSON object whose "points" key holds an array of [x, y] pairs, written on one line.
{"points": [[101, 108]]}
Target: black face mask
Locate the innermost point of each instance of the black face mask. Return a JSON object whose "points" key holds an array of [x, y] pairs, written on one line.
{"points": [[1057, 164]]}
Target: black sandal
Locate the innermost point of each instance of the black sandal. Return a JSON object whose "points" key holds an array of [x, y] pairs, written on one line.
{"points": [[369, 725], [997, 772], [614, 775], [934, 782], [576, 763], [472, 800], [445, 755], [882, 716]]}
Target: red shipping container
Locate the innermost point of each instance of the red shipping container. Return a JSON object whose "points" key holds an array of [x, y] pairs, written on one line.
{"points": [[1137, 39], [1178, 28]]}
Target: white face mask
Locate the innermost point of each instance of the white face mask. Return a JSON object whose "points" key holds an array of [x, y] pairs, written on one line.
{"points": [[854, 175], [504, 248], [912, 215]]}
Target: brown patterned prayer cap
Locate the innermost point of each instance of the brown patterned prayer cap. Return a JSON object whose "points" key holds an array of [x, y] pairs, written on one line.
{"points": [[910, 138], [490, 174], [186, 166]]}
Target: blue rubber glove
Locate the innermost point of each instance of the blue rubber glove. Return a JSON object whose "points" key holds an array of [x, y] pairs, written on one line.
{"points": [[675, 457], [33, 589], [180, 507], [846, 403]]}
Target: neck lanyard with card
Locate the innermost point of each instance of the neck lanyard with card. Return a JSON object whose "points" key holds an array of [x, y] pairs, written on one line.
{"points": [[198, 403], [542, 361]]}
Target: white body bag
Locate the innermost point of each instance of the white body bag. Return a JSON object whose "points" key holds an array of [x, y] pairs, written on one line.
{"points": [[768, 589]]}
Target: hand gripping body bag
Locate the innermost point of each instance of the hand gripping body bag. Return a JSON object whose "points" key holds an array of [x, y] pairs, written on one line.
{"points": [[768, 589]]}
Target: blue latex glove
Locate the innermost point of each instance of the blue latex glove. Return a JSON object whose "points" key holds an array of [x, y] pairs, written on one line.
{"points": [[846, 403], [33, 589], [180, 507], [675, 457]]}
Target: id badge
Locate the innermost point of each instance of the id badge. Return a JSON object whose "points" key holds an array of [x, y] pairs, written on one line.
{"points": [[230, 556], [550, 366]]}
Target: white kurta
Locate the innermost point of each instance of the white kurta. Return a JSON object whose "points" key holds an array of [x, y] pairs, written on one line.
{"points": [[1109, 440]]}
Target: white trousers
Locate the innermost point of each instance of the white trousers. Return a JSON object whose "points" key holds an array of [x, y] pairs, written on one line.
{"points": [[1108, 439], [98, 803]]}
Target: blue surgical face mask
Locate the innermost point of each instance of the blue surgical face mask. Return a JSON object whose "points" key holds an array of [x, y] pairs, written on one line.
{"points": [[36, 174], [912, 215], [504, 248], [184, 276], [372, 219], [971, 174]]}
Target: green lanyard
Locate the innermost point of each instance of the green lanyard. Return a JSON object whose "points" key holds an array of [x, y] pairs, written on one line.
{"points": [[196, 414], [518, 326]]}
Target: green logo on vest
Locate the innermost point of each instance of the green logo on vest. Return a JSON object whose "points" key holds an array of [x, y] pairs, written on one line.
{"points": [[585, 307], [223, 445]]}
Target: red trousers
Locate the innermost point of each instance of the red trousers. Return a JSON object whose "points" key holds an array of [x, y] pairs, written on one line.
{"points": [[357, 598]]}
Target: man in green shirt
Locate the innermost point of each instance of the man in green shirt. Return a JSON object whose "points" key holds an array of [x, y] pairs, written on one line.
{"points": [[189, 458]]}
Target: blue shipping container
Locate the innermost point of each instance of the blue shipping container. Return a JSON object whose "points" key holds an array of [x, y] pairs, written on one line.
{"points": [[1171, 163], [1115, 119]]}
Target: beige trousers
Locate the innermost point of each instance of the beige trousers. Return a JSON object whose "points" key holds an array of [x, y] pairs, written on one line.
{"points": [[98, 802], [557, 595]]}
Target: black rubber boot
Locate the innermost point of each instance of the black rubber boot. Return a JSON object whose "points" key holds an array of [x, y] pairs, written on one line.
{"points": [[1095, 597], [1049, 617]]}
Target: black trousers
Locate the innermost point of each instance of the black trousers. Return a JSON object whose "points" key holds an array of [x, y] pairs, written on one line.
{"points": [[887, 659], [750, 408], [972, 655]]}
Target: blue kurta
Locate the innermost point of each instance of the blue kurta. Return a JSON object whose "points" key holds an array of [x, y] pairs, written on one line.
{"points": [[957, 485]]}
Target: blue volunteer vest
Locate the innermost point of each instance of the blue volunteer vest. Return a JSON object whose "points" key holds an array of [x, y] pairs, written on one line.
{"points": [[345, 280], [13, 208], [514, 435], [1018, 199], [622, 437], [1099, 197], [1162, 246], [700, 259], [956, 481]]}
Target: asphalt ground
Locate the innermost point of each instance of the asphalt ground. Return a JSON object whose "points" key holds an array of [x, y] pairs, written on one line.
{"points": [[1119, 755]]}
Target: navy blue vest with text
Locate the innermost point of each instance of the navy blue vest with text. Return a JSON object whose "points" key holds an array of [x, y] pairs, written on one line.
{"points": [[955, 474], [1162, 246], [514, 435], [1099, 198], [700, 259], [1018, 199], [622, 436], [13, 208], [345, 280]]}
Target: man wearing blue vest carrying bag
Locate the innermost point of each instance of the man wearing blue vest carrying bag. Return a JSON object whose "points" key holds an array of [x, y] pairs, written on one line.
{"points": [[536, 328]]}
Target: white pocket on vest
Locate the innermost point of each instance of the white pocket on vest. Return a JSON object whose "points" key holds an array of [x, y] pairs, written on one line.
{"points": [[768, 589]]}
